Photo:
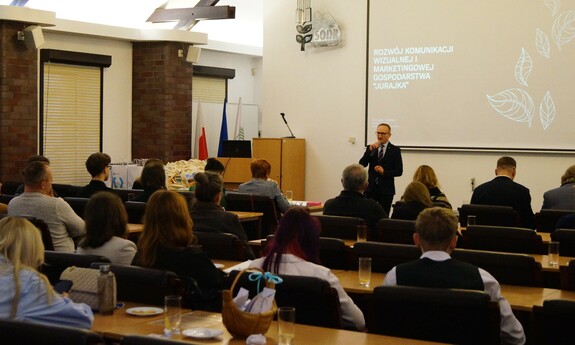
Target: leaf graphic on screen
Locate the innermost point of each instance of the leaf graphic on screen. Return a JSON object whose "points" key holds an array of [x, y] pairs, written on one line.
{"points": [[514, 104], [523, 67], [564, 28], [542, 43], [553, 5], [547, 110]]}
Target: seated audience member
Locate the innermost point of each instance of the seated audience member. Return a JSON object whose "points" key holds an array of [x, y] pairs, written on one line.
{"points": [[503, 191], [25, 293], [351, 202], [415, 199], [435, 234], [209, 216], [34, 158], [138, 182], [261, 184], [106, 222], [153, 179], [294, 250], [98, 165], [37, 201], [167, 243], [214, 165], [563, 197], [426, 175]]}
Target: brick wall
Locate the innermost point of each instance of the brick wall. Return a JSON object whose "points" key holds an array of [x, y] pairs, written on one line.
{"points": [[162, 102], [18, 101]]}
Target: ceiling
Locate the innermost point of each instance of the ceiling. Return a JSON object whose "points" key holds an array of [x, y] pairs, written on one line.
{"points": [[246, 29]]}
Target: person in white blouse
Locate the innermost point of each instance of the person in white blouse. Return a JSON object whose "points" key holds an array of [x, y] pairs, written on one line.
{"points": [[435, 234], [26, 294], [106, 223], [294, 250]]}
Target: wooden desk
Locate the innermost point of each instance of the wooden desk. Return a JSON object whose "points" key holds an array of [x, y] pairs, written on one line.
{"points": [[545, 237], [259, 243], [126, 325], [519, 297], [243, 216]]}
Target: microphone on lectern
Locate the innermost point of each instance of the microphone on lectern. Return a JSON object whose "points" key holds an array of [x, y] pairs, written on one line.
{"points": [[285, 121]]}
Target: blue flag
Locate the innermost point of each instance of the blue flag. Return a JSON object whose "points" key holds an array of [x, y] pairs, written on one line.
{"points": [[223, 131]]}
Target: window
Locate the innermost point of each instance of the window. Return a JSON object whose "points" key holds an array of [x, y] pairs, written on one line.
{"points": [[71, 113]]}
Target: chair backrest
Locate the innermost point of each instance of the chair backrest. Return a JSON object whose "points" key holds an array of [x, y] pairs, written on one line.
{"points": [[340, 227], [135, 210], [553, 322], [546, 219], [5, 198], [10, 187], [222, 246], [127, 194], [315, 301], [384, 256], [566, 239], [56, 262], [256, 203], [66, 190], [31, 333], [77, 204], [507, 268], [502, 239], [567, 276], [394, 231], [40, 225], [144, 285], [489, 215], [333, 253], [442, 315]]}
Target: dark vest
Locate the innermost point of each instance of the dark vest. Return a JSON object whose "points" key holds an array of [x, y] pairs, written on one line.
{"points": [[450, 273]]}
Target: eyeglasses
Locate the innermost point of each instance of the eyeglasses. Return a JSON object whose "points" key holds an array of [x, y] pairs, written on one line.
{"points": [[381, 133]]}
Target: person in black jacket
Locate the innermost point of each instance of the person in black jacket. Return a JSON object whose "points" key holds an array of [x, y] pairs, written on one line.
{"points": [[415, 199], [98, 165], [503, 191], [384, 160], [209, 216]]}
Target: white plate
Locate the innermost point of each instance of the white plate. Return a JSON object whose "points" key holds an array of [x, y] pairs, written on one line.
{"points": [[202, 333], [144, 311], [218, 266]]}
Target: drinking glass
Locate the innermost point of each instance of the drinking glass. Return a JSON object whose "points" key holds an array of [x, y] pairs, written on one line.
{"points": [[286, 325], [172, 315], [553, 254], [361, 233], [289, 195], [364, 271], [471, 220]]}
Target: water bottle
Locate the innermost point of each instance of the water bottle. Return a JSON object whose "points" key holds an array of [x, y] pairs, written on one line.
{"points": [[106, 291]]}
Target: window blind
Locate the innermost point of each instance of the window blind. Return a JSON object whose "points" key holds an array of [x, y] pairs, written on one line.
{"points": [[71, 119]]}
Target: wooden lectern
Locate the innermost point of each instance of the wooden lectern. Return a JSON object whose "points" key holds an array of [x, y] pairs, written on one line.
{"points": [[286, 156]]}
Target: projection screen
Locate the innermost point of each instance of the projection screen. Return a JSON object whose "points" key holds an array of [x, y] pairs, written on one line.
{"points": [[476, 74]]}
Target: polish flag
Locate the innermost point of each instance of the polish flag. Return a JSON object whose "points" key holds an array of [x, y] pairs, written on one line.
{"points": [[201, 144]]}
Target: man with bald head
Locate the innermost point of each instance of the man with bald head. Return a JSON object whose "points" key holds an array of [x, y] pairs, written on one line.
{"points": [[38, 201]]}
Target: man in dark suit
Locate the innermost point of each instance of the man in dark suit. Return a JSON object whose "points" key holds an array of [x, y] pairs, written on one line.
{"points": [[351, 202], [385, 164], [503, 191]]}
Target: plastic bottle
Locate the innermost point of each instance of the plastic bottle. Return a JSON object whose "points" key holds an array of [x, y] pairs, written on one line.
{"points": [[106, 291]]}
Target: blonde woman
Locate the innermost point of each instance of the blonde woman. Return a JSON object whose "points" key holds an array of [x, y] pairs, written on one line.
{"points": [[415, 199], [426, 175], [26, 294]]}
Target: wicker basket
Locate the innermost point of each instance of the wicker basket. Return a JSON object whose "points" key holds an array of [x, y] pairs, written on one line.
{"points": [[240, 323]]}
